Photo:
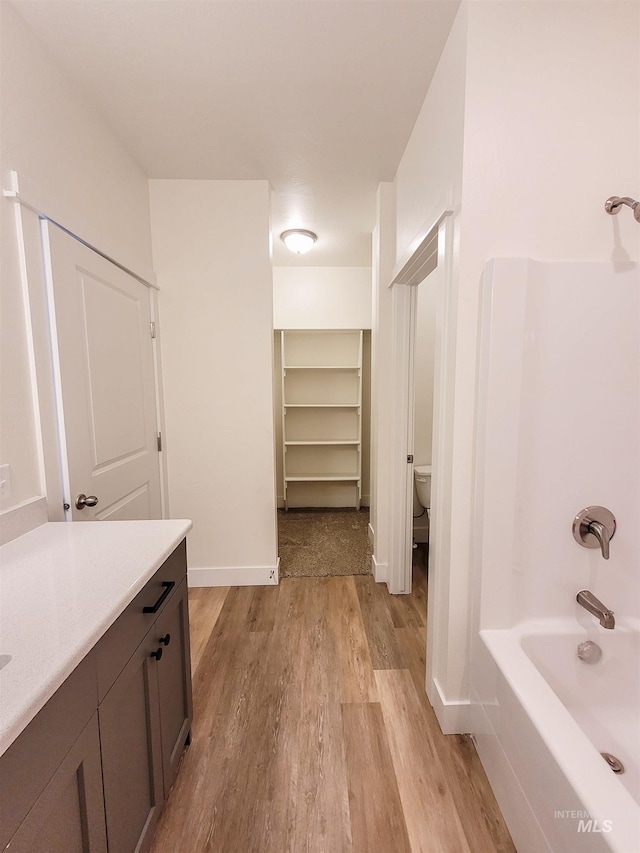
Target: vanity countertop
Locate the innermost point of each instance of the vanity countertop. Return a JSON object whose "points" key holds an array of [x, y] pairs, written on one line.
{"points": [[62, 586]]}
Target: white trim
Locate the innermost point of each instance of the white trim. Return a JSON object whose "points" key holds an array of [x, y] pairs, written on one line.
{"points": [[29, 239], [422, 255], [159, 395], [23, 265], [399, 575], [64, 497], [454, 717], [380, 570], [234, 576], [371, 534], [438, 603]]}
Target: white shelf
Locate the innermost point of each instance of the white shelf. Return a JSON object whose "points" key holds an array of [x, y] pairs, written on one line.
{"points": [[312, 443], [322, 372], [322, 478], [337, 367], [322, 405]]}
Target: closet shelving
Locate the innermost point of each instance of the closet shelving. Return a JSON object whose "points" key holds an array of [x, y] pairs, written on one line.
{"points": [[322, 408]]}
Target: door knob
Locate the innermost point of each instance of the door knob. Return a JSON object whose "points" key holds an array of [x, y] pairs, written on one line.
{"points": [[82, 501]]}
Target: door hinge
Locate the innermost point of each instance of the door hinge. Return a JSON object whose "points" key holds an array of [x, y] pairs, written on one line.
{"points": [[159, 441], [410, 458], [152, 329]]}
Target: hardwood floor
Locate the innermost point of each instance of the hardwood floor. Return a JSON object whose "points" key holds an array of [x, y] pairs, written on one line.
{"points": [[312, 730]]}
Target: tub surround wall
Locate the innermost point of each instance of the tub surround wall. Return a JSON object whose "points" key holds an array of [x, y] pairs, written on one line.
{"points": [[560, 408], [559, 392]]}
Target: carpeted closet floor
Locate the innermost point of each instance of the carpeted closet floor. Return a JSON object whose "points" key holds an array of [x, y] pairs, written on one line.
{"points": [[323, 543]]}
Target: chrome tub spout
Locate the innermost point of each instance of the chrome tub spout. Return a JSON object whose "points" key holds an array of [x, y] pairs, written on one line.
{"points": [[588, 600]]}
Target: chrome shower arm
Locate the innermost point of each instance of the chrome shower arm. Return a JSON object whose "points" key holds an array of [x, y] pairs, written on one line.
{"points": [[612, 205]]}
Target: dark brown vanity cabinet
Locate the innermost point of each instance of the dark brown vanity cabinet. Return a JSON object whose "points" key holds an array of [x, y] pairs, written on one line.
{"points": [[174, 682], [68, 816], [144, 722], [91, 772]]}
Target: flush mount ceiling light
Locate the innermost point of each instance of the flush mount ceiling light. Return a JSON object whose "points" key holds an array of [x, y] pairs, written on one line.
{"points": [[298, 240]]}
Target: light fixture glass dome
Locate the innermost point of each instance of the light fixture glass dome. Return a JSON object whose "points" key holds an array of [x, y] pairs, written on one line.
{"points": [[298, 240]]}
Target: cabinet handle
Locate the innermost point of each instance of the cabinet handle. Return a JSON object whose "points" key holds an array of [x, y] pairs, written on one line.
{"points": [[168, 586], [165, 640], [157, 654]]}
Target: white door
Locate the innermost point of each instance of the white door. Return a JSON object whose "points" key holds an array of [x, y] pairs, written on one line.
{"points": [[104, 364]]}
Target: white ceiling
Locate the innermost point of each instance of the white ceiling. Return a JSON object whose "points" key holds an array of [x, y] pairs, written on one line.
{"points": [[317, 96]]}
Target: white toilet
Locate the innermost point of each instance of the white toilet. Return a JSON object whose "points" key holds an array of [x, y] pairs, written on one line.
{"points": [[421, 502], [422, 476]]}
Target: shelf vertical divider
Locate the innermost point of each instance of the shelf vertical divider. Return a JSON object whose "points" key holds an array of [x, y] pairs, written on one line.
{"points": [[283, 371]]}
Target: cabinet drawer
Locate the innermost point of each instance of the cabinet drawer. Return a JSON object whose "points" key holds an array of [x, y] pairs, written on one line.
{"points": [[128, 631]]}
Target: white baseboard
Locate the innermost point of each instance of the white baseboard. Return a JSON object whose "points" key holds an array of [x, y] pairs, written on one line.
{"points": [[454, 717], [380, 570], [235, 576], [365, 503]]}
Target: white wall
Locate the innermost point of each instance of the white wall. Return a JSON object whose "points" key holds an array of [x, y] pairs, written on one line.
{"points": [[429, 176], [322, 297], [73, 167], [211, 255]]}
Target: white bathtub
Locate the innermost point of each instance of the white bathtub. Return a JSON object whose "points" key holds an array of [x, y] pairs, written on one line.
{"points": [[543, 723]]}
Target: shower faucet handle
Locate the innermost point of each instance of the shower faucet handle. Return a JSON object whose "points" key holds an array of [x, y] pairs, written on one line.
{"points": [[594, 527]]}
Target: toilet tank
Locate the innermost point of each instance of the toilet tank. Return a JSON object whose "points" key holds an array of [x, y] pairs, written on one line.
{"points": [[422, 476]]}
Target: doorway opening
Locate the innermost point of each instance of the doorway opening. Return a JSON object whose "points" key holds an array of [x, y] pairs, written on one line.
{"points": [[322, 411]]}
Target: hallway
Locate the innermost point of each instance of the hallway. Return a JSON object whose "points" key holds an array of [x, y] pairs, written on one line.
{"points": [[312, 731]]}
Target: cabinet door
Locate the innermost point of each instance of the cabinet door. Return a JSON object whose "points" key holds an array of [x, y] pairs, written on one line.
{"points": [[174, 681], [68, 816], [131, 754]]}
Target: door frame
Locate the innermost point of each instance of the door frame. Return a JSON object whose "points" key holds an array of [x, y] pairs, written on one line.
{"points": [[404, 331], [30, 218]]}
